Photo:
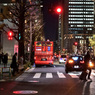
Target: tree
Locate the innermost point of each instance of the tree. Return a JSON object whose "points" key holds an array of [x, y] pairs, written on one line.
{"points": [[19, 15], [92, 43]]}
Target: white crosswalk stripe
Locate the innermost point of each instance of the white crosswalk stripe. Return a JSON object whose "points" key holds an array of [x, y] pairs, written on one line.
{"points": [[61, 75], [37, 75], [74, 76], [93, 73], [49, 75]]}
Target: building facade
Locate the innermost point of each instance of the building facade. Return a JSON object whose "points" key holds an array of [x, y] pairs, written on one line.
{"points": [[78, 23]]}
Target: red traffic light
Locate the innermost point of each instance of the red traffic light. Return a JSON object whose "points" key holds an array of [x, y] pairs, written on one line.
{"points": [[10, 33], [75, 43], [58, 9]]}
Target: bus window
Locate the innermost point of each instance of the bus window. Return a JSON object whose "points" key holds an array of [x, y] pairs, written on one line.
{"points": [[48, 44], [38, 44]]}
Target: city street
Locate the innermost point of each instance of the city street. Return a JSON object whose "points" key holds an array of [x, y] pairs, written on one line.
{"points": [[57, 33], [48, 81]]}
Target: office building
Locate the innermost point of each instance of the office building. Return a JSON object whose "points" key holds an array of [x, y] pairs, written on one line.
{"points": [[78, 23]]}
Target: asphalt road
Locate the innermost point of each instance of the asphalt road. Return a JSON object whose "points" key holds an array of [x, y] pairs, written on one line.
{"points": [[48, 81]]}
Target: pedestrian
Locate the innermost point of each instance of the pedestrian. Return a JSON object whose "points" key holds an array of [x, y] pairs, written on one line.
{"points": [[87, 58], [14, 64], [5, 59], [84, 74]]}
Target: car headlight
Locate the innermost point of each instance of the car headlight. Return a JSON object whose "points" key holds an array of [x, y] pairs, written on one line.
{"points": [[91, 64]]}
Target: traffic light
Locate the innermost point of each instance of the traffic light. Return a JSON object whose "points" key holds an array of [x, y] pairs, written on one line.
{"points": [[19, 36], [59, 10], [75, 43], [10, 35]]}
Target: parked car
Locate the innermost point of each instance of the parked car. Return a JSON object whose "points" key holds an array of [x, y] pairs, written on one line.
{"points": [[74, 63], [62, 59]]}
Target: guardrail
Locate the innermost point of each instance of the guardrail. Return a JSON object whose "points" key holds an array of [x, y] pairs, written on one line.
{"points": [[4, 70]]}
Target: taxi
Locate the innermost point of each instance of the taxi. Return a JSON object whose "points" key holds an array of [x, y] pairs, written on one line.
{"points": [[74, 63]]}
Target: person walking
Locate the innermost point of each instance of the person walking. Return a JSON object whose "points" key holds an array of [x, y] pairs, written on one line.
{"points": [[14, 64], [5, 60], [84, 74], [87, 58]]}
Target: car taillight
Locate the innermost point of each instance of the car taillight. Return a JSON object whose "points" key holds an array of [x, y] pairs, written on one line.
{"points": [[81, 61], [70, 61]]}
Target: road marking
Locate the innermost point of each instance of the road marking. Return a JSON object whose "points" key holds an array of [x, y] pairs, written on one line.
{"points": [[49, 75], [37, 75], [74, 76], [61, 75], [93, 73]]}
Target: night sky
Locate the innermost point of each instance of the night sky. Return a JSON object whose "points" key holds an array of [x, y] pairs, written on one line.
{"points": [[50, 20]]}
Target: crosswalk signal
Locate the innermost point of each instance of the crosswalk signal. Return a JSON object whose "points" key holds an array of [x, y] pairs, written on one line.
{"points": [[10, 35]]}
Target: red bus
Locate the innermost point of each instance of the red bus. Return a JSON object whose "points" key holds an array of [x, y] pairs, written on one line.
{"points": [[43, 54]]}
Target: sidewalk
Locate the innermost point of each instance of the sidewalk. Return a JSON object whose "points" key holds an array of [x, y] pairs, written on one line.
{"points": [[5, 72]]}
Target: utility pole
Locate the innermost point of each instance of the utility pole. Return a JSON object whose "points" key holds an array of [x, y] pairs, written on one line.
{"points": [[59, 32], [59, 11]]}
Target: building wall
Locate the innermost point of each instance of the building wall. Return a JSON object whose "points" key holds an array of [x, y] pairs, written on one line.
{"points": [[8, 45], [78, 21]]}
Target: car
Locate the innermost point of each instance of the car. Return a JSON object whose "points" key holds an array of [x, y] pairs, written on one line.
{"points": [[74, 63], [62, 59]]}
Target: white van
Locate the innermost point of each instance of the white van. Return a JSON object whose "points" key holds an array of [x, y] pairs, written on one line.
{"points": [[62, 59]]}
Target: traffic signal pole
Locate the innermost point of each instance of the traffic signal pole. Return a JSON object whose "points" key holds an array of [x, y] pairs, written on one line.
{"points": [[59, 32], [60, 44]]}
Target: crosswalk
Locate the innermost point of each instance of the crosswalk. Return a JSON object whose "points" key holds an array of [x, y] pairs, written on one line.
{"points": [[49, 75]]}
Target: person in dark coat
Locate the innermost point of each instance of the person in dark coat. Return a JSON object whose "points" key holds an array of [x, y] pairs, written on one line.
{"points": [[14, 64], [5, 60], [86, 62]]}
